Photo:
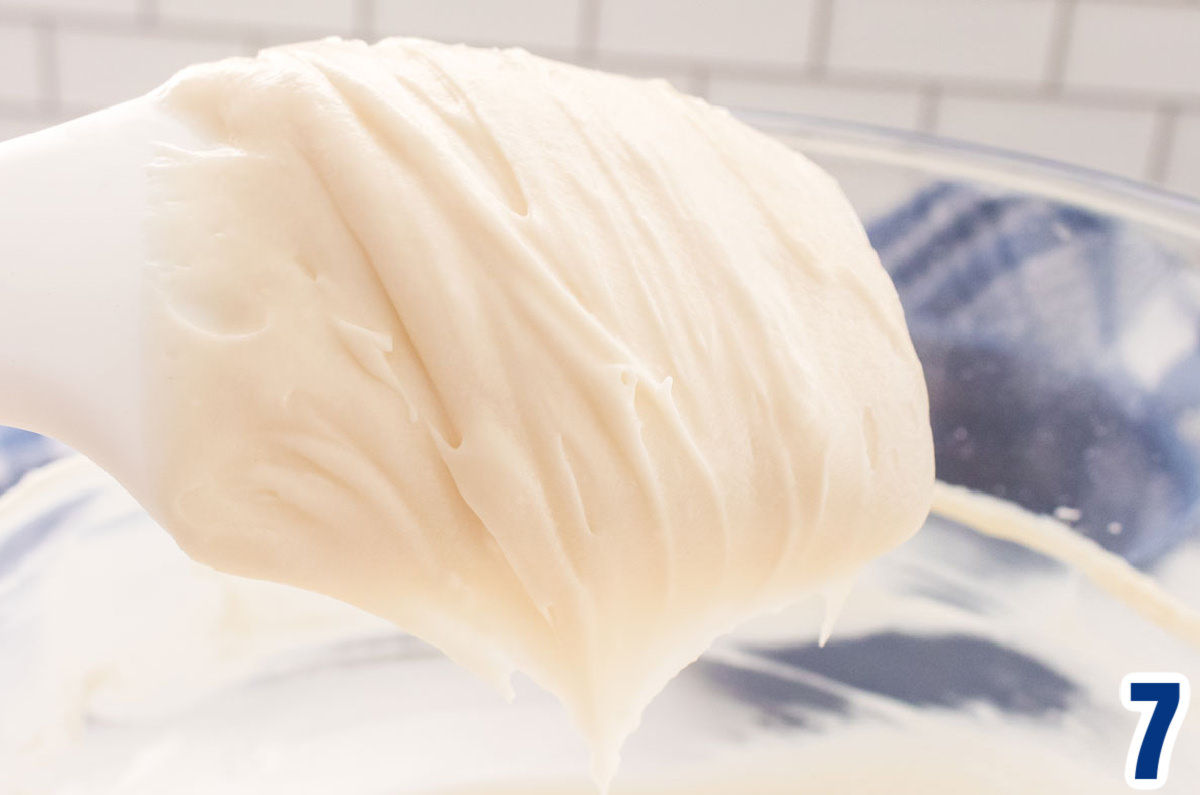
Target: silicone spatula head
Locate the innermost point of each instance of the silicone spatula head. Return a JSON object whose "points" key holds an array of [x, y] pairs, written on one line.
{"points": [[73, 258]]}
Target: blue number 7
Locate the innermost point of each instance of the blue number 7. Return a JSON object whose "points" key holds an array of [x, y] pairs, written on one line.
{"points": [[1162, 699]]}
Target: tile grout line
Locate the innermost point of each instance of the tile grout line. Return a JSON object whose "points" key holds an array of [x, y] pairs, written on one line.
{"points": [[927, 113], [147, 13], [1061, 35], [254, 41], [699, 81], [1116, 98], [1151, 3], [979, 88], [1159, 160], [819, 37], [21, 111], [364, 20], [587, 34], [47, 68], [160, 28]]}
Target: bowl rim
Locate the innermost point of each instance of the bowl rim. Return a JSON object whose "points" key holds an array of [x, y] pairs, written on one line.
{"points": [[1130, 199]]}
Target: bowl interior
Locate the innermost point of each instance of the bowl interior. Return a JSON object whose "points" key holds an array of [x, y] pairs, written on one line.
{"points": [[1056, 314]]}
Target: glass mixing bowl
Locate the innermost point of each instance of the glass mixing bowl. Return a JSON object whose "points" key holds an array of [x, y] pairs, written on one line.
{"points": [[1056, 312]]}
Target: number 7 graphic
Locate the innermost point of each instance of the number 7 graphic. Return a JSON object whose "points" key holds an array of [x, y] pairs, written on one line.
{"points": [[1163, 701]]}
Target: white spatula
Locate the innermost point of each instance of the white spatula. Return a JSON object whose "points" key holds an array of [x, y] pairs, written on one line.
{"points": [[72, 279]]}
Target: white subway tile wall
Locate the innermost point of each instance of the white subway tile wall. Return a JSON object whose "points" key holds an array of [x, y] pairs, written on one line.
{"points": [[18, 64], [536, 24], [1108, 139], [322, 17], [1183, 164], [883, 108], [95, 69], [690, 80], [97, 8], [751, 31], [1000, 40], [11, 128], [1108, 84], [1138, 48]]}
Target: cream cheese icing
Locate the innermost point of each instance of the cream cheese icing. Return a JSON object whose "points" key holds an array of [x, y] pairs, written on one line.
{"points": [[564, 372]]}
